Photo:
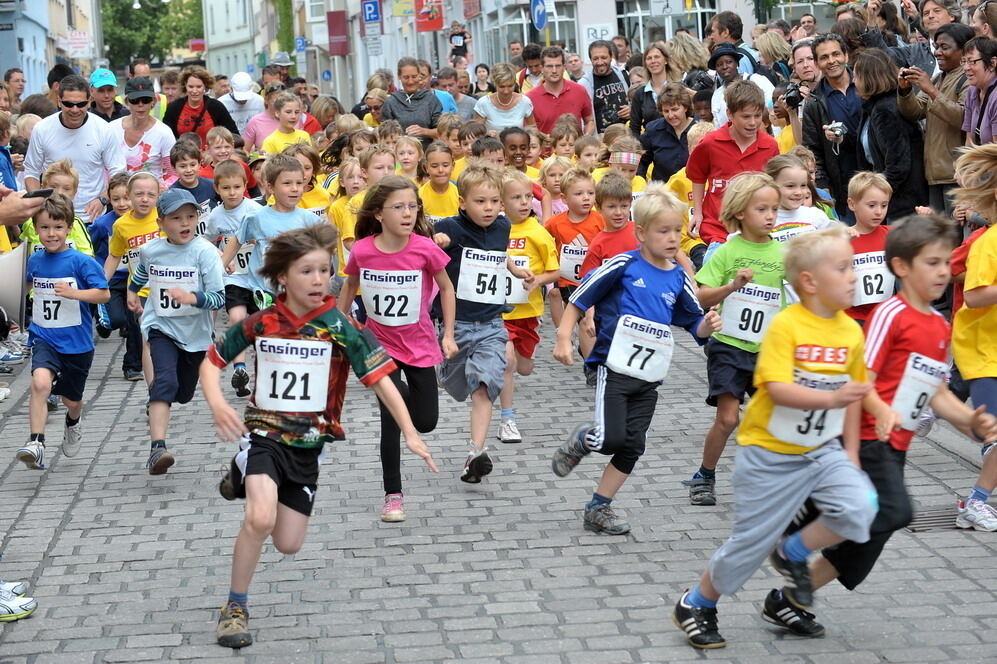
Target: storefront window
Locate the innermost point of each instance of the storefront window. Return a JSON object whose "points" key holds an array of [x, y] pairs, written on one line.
{"points": [[642, 28]]}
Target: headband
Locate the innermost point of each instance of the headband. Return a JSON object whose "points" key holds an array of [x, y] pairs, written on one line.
{"points": [[631, 158]]}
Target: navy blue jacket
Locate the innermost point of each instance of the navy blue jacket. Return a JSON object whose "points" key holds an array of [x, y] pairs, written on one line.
{"points": [[465, 234], [664, 148]]}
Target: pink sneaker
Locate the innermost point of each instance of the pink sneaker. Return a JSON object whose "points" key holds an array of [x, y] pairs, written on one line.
{"points": [[394, 508]]}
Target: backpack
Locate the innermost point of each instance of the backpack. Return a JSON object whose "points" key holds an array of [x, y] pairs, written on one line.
{"points": [[759, 68]]}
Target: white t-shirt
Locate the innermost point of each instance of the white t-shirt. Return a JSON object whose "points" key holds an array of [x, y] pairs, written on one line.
{"points": [[241, 113], [719, 106], [152, 153], [92, 147], [497, 120]]}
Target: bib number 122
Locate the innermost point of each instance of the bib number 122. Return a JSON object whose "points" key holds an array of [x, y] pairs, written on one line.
{"points": [[390, 306]]}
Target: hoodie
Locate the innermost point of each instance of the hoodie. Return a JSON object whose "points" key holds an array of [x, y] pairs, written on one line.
{"points": [[421, 108]]}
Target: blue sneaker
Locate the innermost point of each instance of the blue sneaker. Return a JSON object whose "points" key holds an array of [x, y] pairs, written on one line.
{"points": [[10, 356], [32, 455]]}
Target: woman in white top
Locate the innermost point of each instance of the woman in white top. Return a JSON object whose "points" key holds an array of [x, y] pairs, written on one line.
{"points": [[145, 141], [506, 107]]}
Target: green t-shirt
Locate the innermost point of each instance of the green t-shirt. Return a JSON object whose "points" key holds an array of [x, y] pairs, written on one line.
{"points": [[750, 309]]}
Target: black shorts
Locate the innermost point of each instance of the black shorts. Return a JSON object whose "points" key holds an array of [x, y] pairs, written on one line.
{"points": [[729, 370], [567, 292], [237, 296], [70, 369], [293, 469], [175, 370]]}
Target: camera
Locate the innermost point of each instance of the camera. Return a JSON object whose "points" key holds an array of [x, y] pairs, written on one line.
{"points": [[838, 129], [793, 96]]}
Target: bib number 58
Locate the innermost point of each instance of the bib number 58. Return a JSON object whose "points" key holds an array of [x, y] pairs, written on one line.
{"points": [[167, 302]]}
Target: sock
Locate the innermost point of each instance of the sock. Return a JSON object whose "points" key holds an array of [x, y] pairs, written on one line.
{"points": [[240, 365], [696, 599], [705, 473], [509, 414], [159, 443], [598, 500], [794, 549], [242, 599], [40, 437], [979, 493], [70, 422]]}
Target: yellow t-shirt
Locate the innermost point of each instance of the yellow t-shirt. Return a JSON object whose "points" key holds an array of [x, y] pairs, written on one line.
{"points": [[278, 140], [528, 238], [533, 173], [4, 241], [785, 140], [316, 201], [130, 233], [458, 168], [680, 185], [439, 206], [974, 331], [803, 348], [637, 183], [339, 217], [370, 121]]}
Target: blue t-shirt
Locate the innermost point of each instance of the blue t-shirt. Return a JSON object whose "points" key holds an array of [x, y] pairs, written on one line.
{"points": [[446, 100], [100, 235], [222, 224], [264, 224], [629, 285], [477, 266], [62, 323], [207, 198]]}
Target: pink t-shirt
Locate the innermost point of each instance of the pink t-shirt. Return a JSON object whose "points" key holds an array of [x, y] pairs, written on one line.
{"points": [[398, 291]]}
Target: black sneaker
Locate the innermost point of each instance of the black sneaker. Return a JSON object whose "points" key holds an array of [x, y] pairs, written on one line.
{"points": [[231, 487], [783, 614], [699, 625], [478, 465], [240, 381], [159, 461], [798, 590], [132, 375], [590, 375], [103, 332], [570, 453], [52, 403], [701, 491]]}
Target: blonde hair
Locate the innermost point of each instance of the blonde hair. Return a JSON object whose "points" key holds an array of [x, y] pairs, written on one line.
{"points": [[863, 181], [349, 164], [974, 171], [65, 167], [479, 174], [656, 202], [347, 122], [411, 141], [773, 46], [738, 196], [807, 251], [687, 53], [219, 134], [372, 151], [448, 123], [555, 162], [613, 132], [23, 121], [698, 131], [503, 73], [612, 185], [511, 176], [573, 176]]}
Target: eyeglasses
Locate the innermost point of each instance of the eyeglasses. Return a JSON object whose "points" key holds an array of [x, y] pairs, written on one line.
{"points": [[375, 108], [401, 207], [141, 100], [965, 62], [74, 104]]}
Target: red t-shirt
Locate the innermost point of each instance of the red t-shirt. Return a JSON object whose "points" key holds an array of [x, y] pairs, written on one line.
{"points": [[547, 108], [905, 347], [607, 244], [872, 244], [208, 171], [717, 159], [573, 240], [197, 120], [310, 124], [958, 266]]}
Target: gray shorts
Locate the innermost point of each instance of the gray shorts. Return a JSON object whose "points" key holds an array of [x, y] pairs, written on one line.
{"points": [[480, 359], [769, 488]]}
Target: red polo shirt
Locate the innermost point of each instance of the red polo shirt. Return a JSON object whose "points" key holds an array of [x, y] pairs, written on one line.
{"points": [[718, 159], [547, 108]]}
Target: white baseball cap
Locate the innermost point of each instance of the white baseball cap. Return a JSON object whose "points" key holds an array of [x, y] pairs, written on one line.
{"points": [[242, 86]]}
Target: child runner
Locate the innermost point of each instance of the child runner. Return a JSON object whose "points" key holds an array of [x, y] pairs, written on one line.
{"points": [[488, 149], [811, 379], [186, 159], [477, 240], [551, 173], [613, 198], [680, 185], [400, 269], [315, 199], [637, 295], [538, 141], [794, 216], [532, 248], [287, 107], [623, 156], [408, 155], [295, 409], [185, 283], [868, 199], [114, 316], [64, 282], [221, 147], [586, 152], [468, 134], [63, 179], [746, 274], [351, 181], [516, 145], [439, 195], [563, 137]]}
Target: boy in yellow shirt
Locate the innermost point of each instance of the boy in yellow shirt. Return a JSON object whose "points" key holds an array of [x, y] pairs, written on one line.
{"points": [[287, 106], [468, 134], [439, 194]]}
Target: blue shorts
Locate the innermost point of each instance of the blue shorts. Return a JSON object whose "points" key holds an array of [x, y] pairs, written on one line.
{"points": [[175, 370], [70, 369]]}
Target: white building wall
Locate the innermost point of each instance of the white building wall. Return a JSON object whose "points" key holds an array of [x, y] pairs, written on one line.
{"points": [[228, 35]]}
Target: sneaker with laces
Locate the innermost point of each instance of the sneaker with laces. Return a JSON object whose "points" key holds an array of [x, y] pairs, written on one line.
{"points": [[32, 455], [778, 611], [14, 587], [240, 381], [14, 607], [702, 490], [571, 452], [699, 624], [231, 487], [603, 519], [976, 514], [590, 375], [72, 438], [798, 590], [394, 508], [159, 461], [509, 432], [10, 356], [233, 627], [478, 465]]}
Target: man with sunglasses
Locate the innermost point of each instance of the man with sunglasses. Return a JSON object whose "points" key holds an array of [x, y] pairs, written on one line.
{"points": [[103, 87], [80, 136]]}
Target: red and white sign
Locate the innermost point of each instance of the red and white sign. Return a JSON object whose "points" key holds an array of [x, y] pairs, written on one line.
{"points": [[339, 38], [428, 15]]}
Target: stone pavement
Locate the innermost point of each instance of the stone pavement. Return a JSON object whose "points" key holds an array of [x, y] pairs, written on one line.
{"points": [[128, 567]]}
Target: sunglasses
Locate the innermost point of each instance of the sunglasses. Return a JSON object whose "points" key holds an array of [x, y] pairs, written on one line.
{"points": [[141, 100], [74, 104], [374, 108]]}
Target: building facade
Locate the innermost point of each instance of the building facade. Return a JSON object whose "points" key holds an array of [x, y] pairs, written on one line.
{"points": [[23, 41], [229, 32]]}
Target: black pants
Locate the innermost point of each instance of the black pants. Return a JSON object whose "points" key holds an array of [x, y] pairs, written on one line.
{"points": [[624, 407], [422, 399], [121, 317]]}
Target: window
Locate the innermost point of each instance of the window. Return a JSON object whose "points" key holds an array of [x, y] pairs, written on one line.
{"points": [[316, 10]]}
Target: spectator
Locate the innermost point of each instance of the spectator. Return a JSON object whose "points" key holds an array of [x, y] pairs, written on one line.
{"points": [[376, 80], [724, 61], [781, 28], [482, 82], [271, 76], [103, 88], [557, 96], [806, 29], [325, 109], [5, 96], [221, 87], [532, 72], [83, 138], [375, 104], [606, 86], [145, 142], [56, 74], [774, 52], [446, 78], [688, 58], [15, 209], [575, 67], [665, 141], [940, 103], [727, 27], [196, 112], [622, 55], [644, 108], [516, 53], [169, 84], [415, 107], [38, 104], [506, 107], [14, 78], [460, 43], [978, 63], [805, 65], [241, 101], [282, 61], [984, 20]]}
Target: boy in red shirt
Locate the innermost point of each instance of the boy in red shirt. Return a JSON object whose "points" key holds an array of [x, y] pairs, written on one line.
{"points": [[613, 196], [868, 197], [739, 146]]}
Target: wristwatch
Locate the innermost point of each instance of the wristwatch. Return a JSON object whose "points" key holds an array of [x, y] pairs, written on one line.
{"points": [[103, 200]]}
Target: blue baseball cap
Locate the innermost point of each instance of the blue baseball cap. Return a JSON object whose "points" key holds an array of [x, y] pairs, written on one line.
{"points": [[101, 77], [174, 199]]}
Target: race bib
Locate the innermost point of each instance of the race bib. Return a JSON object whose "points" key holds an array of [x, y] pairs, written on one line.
{"points": [[748, 312], [50, 310], [318, 212], [515, 291], [482, 276], [788, 231], [292, 375], [641, 349], [240, 264], [874, 281], [392, 297], [203, 209], [457, 40], [919, 383], [162, 278], [38, 246], [809, 428], [571, 261]]}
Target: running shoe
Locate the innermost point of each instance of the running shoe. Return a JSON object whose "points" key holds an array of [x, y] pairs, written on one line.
{"points": [[132, 375], [699, 624], [702, 490], [509, 432], [603, 519], [590, 375], [14, 587], [240, 381], [571, 452], [159, 461], [8, 356], [72, 438], [478, 465], [52, 403], [394, 508], [798, 590], [783, 614], [976, 514], [103, 332], [13, 607], [231, 487], [985, 449], [233, 627], [32, 455]]}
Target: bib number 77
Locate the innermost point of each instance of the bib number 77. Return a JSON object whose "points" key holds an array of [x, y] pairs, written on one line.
{"points": [[640, 357]]}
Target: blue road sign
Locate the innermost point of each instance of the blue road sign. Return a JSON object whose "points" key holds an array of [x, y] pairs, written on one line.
{"points": [[538, 14], [326, 75], [250, 68], [300, 44], [371, 11]]}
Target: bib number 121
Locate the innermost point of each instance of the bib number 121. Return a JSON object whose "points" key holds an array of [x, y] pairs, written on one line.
{"points": [[289, 386]]}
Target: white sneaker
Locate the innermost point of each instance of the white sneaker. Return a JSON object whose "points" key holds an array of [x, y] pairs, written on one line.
{"points": [[13, 607], [72, 438], [976, 514], [14, 587], [509, 432], [32, 455]]}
